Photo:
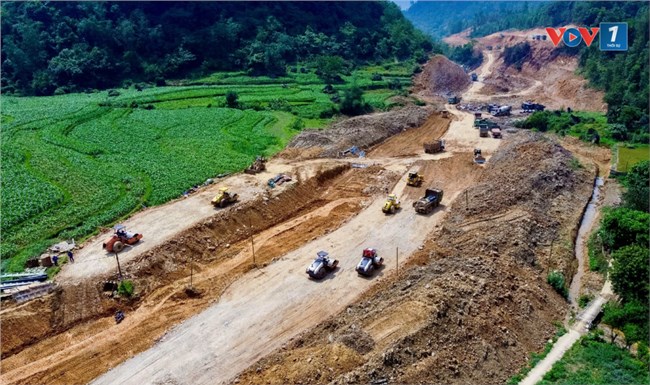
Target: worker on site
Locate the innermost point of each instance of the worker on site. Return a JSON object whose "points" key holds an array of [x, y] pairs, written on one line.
{"points": [[55, 260], [70, 256]]}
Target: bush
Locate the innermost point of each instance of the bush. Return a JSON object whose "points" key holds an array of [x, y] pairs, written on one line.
{"points": [[125, 288], [557, 281], [376, 77], [353, 103], [516, 55], [297, 124], [113, 93], [231, 99]]}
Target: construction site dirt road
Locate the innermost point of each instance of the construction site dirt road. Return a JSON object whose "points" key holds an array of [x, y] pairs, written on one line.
{"points": [[241, 312]]}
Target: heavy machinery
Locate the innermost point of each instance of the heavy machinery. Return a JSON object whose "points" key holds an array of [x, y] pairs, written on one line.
{"points": [[392, 204], [453, 100], [369, 262], [502, 111], [278, 180], [120, 239], [224, 198], [431, 199], [258, 166], [414, 179], [483, 131], [478, 158], [474, 77], [434, 147], [529, 106], [322, 265], [496, 133]]}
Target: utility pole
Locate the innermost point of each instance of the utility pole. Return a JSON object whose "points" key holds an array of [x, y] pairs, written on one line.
{"points": [[119, 269], [191, 271], [466, 201]]}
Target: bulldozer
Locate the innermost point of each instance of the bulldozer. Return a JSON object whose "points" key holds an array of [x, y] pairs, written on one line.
{"points": [[224, 198], [120, 239], [392, 204], [415, 179], [258, 166], [478, 158]]}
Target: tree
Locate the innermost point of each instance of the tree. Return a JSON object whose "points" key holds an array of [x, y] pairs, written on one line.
{"points": [[353, 103], [630, 273], [231, 99], [622, 226], [637, 196], [329, 68]]}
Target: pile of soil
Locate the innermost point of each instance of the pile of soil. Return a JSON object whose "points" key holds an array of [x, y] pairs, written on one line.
{"points": [[361, 131], [441, 77], [477, 296]]}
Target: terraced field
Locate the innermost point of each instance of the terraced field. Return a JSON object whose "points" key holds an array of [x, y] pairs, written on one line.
{"points": [[73, 163]]}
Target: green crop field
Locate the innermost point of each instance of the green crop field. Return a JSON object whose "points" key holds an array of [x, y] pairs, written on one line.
{"points": [[628, 157], [73, 163]]}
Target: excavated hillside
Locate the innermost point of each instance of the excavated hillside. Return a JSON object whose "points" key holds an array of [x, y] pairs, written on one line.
{"points": [[441, 77], [474, 301]]}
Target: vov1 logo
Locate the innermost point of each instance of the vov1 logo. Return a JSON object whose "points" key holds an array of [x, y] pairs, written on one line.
{"points": [[572, 37], [613, 36]]}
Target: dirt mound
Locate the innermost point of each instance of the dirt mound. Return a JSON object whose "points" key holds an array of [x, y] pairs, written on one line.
{"points": [[361, 131], [476, 293], [441, 77]]}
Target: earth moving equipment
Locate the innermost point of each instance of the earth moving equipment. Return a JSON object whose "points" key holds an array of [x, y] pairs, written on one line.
{"points": [[496, 133], [120, 239], [502, 111], [414, 179], [322, 265], [392, 204], [369, 262], [224, 198], [258, 166], [431, 199], [119, 316], [477, 115], [478, 158], [278, 180], [453, 100], [434, 147], [529, 106], [483, 131], [474, 77], [486, 122]]}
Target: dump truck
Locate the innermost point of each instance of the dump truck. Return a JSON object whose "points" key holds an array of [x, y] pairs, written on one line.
{"points": [[224, 198], [120, 239], [483, 130], [474, 77], [258, 166], [478, 158], [369, 262], [391, 205], [453, 100], [496, 133], [434, 147], [322, 265], [414, 179], [431, 199], [529, 107]]}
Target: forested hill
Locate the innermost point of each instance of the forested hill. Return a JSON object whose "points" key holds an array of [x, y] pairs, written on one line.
{"points": [[60, 47]]}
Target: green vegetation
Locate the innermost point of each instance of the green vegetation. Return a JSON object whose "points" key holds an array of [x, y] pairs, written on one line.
{"points": [[73, 163], [588, 126], [516, 55], [535, 358], [60, 47], [125, 288], [465, 55], [631, 155], [624, 233], [556, 280], [592, 361], [597, 260]]}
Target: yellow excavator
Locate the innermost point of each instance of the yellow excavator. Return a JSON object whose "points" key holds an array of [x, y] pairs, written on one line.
{"points": [[224, 198], [415, 179], [391, 205]]}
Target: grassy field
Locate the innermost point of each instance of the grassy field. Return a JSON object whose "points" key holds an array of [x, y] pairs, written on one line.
{"points": [[595, 362], [628, 157], [74, 163]]}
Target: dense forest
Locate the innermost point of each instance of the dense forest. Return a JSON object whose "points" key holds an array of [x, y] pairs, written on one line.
{"points": [[59, 47], [624, 76]]}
